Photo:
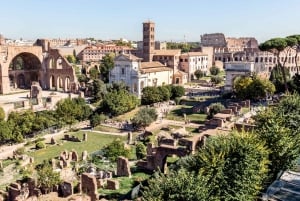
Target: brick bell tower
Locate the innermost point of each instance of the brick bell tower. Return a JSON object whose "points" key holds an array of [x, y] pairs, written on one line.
{"points": [[148, 40]]}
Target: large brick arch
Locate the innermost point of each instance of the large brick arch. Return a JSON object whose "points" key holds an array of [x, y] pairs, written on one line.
{"points": [[52, 65]]}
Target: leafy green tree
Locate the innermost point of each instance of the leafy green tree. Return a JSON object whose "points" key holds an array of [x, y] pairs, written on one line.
{"points": [[2, 114], [94, 73], [216, 79], [177, 186], [241, 86], [107, 63], [279, 46], [47, 178], [118, 102], [247, 87], [279, 139], [150, 95], [214, 70], [71, 59], [22, 123], [215, 108], [98, 89], [68, 111], [278, 127], [235, 166], [97, 119], [177, 91], [164, 93], [276, 78], [140, 150], [6, 133], [144, 117], [295, 84], [199, 73], [260, 88], [115, 149], [40, 145]]}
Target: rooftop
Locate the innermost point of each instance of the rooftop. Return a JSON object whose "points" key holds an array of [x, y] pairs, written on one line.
{"points": [[167, 52]]}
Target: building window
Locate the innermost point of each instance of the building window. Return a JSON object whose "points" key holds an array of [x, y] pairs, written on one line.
{"points": [[123, 71]]}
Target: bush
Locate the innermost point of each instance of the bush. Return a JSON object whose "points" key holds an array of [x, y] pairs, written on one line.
{"points": [[141, 151], [214, 108], [199, 73], [115, 149], [20, 151], [214, 70], [216, 79], [177, 100], [40, 145]]}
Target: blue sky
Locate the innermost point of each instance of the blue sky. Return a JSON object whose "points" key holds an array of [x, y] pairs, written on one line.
{"points": [[108, 19]]}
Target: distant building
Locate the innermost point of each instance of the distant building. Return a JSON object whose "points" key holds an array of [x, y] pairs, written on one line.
{"points": [[213, 40], [95, 53], [192, 61], [235, 69], [156, 65], [136, 74]]}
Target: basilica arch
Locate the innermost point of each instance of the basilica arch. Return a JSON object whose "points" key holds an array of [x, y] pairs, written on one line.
{"points": [[23, 69], [21, 65]]}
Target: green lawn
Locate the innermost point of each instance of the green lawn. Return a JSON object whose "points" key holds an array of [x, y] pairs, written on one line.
{"points": [[177, 115], [107, 129], [95, 142], [126, 184], [128, 115]]}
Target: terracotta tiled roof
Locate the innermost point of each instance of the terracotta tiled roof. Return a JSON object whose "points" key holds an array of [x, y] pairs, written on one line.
{"points": [[149, 67], [132, 57], [167, 52], [152, 64], [194, 54], [179, 72]]}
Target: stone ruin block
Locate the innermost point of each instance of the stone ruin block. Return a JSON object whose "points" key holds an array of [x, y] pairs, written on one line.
{"points": [[101, 183], [84, 155], [31, 160], [168, 141], [123, 168], [113, 184], [81, 94], [226, 111], [233, 108], [66, 189], [36, 91], [67, 137], [53, 141], [129, 138], [74, 156], [89, 186], [84, 138], [14, 190], [149, 148]]}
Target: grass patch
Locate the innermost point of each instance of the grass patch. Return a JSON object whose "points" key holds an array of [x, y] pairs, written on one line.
{"points": [[95, 142], [128, 115], [177, 115], [107, 129], [244, 110], [126, 184]]}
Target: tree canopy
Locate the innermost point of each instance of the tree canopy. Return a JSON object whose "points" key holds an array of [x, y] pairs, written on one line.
{"points": [[246, 87], [279, 46], [231, 167], [107, 63], [144, 117]]}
